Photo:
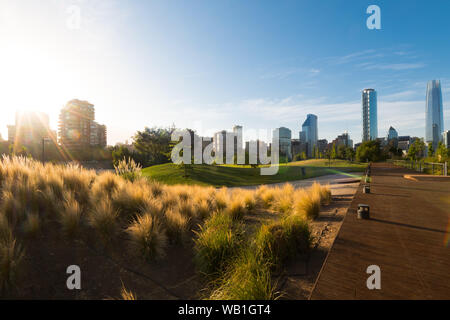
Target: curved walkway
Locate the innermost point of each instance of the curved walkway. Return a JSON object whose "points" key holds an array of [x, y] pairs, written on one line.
{"points": [[340, 185]]}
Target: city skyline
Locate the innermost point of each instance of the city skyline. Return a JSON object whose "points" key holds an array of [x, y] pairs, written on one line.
{"points": [[137, 81]]}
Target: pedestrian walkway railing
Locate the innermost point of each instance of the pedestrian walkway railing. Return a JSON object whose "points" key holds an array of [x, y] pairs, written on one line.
{"points": [[435, 168]]}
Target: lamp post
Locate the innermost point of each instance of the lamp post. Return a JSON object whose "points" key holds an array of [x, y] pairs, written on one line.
{"points": [[44, 140]]}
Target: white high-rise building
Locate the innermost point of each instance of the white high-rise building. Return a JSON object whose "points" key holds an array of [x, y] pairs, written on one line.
{"points": [[369, 115]]}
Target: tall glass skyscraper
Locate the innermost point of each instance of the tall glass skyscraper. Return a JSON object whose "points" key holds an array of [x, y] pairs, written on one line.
{"points": [[285, 142], [434, 125], [369, 115], [310, 133]]}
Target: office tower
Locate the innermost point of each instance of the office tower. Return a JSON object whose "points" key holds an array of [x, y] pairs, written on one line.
{"points": [[446, 138], [98, 135], [404, 142], [392, 134], [285, 142], [310, 134], [434, 125], [322, 145], [369, 115], [29, 129], [238, 147], [77, 127], [343, 140]]}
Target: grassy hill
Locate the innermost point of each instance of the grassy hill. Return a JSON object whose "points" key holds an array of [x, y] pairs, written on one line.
{"points": [[235, 175]]}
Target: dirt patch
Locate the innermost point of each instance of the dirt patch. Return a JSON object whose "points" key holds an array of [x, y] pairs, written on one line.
{"points": [[296, 282]]}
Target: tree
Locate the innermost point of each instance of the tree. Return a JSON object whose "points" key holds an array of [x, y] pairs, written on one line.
{"points": [[122, 153], [349, 153], [153, 145], [333, 153], [430, 149], [341, 151], [442, 153], [369, 151], [416, 150]]}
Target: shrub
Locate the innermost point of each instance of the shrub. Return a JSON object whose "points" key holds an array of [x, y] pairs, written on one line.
{"points": [[217, 243], [147, 238]]}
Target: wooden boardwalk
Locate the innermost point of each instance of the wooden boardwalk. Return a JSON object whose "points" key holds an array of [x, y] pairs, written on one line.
{"points": [[407, 237]]}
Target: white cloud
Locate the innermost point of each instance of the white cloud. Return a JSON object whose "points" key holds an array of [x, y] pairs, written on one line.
{"points": [[393, 66]]}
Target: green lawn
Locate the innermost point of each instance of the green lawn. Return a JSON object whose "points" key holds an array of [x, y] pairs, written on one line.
{"points": [[234, 175]]}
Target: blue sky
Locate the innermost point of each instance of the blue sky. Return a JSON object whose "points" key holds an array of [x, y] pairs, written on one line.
{"points": [[209, 65]]}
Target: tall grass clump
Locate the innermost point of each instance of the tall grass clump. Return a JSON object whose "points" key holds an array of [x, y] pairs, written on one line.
{"points": [[128, 169], [126, 294], [6, 235], [103, 219], [248, 278], [70, 216], [217, 243], [266, 196], [32, 224], [131, 199], [280, 240], [176, 225], [306, 203], [250, 201], [79, 182], [221, 199], [105, 184], [236, 209], [323, 191], [147, 238], [11, 256]]}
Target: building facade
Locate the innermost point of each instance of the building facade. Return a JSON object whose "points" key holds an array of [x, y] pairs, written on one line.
{"points": [[434, 122], [285, 137], [310, 134], [77, 127], [369, 115], [30, 128], [343, 140], [392, 134], [446, 138], [403, 143]]}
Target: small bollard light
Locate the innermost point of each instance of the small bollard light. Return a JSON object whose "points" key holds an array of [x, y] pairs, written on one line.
{"points": [[363, 211], [366, 189]]}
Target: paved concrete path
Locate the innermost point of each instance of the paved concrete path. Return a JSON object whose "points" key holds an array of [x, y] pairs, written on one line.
{"points": [[407, 236], [340, 185]]}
